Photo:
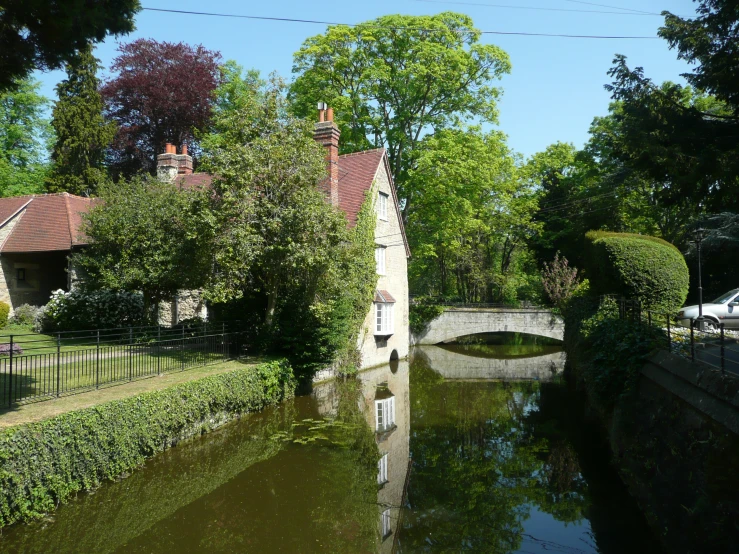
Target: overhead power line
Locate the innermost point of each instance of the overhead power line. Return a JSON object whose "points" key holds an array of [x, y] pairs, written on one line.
{"points": [[506, 6], [317, 22], [612, 7]]}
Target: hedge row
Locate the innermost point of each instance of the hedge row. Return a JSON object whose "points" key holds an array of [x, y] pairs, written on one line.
{"points": [[637, 267], [43, 464]]}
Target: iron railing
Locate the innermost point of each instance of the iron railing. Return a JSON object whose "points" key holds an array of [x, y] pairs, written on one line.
{"points": [[40, 367], [709, 344]]}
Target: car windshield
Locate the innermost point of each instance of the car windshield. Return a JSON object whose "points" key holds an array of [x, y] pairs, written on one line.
{"points": [[726, 297]]}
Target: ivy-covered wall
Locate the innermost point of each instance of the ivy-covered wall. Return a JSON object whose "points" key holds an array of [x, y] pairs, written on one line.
{"points": [[43, 464]]}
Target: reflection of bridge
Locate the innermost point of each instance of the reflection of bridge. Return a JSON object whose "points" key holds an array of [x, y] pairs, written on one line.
{"points": [[452, 365], [458, 322]]}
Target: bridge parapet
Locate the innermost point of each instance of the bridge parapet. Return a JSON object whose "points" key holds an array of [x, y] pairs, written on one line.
{"points": [[458, 321]]}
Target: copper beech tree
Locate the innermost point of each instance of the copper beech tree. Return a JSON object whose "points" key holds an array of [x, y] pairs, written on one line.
{"points": [[162, 93]]}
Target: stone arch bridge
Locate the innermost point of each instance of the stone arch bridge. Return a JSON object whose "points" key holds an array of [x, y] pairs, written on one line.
{"points": [[458, 322]]}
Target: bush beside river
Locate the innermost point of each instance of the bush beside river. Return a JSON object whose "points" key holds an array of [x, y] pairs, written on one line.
{"points": [[44, 464]]}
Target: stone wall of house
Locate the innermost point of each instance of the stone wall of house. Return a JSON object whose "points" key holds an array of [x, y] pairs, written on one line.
{"points": [[375, 350], [186, 304]]}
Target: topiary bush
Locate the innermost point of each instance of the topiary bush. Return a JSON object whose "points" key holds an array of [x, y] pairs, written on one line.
{"points": [[4, 311], [637, 267]]}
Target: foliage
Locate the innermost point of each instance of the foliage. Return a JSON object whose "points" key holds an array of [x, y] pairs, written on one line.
{"points": [[45, 463], [82, 135], [470, 217], [4, 311], [397, 78], [99, 309], [278, 244], [45, 35], [23, 136], [420, 314], [559, 280], [691, 148], [26, 315], [646, 269], [146, 236], [161, 93]]}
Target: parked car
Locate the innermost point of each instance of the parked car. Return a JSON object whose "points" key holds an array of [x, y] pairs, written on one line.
{"points": [[724, 309]]}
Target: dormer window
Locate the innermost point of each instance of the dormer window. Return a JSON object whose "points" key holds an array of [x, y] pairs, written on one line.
{"points": [[380, 259], [384, 303], [382, 206]]}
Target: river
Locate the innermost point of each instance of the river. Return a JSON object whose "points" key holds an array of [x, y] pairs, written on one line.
{"points": [[481, 448]]}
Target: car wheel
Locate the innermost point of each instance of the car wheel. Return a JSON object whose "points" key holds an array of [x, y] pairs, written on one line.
{"points": [[710, 326]]}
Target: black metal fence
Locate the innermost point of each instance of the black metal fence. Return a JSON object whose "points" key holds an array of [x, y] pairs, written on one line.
{"points": [[39, 367], [703, 341]]}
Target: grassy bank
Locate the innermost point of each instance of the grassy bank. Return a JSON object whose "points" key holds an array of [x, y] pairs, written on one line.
{"points": [[43, 464]]}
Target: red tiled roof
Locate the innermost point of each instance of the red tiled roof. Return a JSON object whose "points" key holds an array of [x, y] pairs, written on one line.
{"points": [[194, 181], [49, 222], [356, 174], [384, 297]]}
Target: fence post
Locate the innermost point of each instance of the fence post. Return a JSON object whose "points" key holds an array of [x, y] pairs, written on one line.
{"points": [[649, 318], [723, 357], [669, 339], [10, 374], [225, 341], [97, 361], [159, 349], [182, 350], [130, 354], [692, 339], [58, 362]]}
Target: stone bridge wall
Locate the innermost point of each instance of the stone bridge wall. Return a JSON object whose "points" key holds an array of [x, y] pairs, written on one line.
{"points": [[458, 322]]}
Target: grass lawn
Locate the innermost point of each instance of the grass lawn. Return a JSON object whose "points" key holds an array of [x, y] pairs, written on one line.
{"points": [[37, 411]]}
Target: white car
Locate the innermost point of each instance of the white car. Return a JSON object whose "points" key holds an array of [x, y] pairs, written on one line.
{"points": [[725, 309]]}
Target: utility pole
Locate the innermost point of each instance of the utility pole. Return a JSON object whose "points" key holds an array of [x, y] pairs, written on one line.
{"points": [[699, 236]]}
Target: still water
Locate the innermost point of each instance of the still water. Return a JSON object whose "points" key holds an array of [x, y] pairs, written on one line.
{"points": [[477, 448]]}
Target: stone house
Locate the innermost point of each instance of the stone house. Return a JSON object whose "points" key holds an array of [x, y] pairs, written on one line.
{"points": [[351, 179], [37, 235]]}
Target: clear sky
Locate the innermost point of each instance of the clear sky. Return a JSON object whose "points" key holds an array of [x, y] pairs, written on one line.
{"points": [[552, 94]]}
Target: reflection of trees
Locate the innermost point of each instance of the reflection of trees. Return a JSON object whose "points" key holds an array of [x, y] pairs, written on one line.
{"points": [[479, 465]]}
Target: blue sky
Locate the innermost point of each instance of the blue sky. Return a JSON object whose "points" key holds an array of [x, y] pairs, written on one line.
{"points": [[552, 94]]}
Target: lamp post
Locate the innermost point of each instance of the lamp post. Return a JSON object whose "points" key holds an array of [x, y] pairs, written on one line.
{"points": [[699, 235]]}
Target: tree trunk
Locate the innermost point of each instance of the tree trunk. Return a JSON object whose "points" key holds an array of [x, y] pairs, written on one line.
{"points": [[271, 304]]}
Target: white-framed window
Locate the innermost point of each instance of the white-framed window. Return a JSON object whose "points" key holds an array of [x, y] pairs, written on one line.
{"points": [[384, 318], [382, 205], [384, 413], [382, 470], [380, 259], [385, 523]]}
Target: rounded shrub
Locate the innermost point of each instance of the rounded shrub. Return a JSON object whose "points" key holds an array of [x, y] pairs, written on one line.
{"points": [[4, 311], [638, 267]]}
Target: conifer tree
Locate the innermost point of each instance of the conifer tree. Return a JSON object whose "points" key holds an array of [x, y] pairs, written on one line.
{"points": [[82, 133]]}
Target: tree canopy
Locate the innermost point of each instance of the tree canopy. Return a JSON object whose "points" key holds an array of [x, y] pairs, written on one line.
{"points": [[162, 93], [45, 35], [24, 137], [82, 134], [396, 78]]}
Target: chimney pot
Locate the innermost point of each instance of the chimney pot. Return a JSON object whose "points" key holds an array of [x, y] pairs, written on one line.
{"points": [[184, 149], [330, 114]]}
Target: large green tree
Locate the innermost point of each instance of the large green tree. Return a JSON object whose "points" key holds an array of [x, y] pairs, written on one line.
{"points": [[694, 147], [82, 134], [470, 218], [44, 34], [24, 136], [146, 236], [396, 78]]}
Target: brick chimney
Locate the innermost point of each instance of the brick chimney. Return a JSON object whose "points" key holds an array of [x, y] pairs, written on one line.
{"points": [[170, 164], [326, 133]]}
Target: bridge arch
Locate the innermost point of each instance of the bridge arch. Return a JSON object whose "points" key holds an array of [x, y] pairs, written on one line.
{"points": [[459, 322]]}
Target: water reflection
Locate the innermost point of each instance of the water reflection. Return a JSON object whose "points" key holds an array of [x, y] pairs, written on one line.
{"points": [[497, 466]]}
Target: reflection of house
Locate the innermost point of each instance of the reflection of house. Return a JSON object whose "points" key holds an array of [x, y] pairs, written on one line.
{"points": [[385, 404], [37, 234]]}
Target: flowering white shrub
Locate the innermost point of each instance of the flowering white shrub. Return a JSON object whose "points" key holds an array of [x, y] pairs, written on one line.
{"points": [[77, 310]]}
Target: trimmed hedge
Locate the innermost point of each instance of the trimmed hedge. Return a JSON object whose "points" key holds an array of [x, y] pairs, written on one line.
{"points": [[637, 267], [43, 464], [4, 311]]}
